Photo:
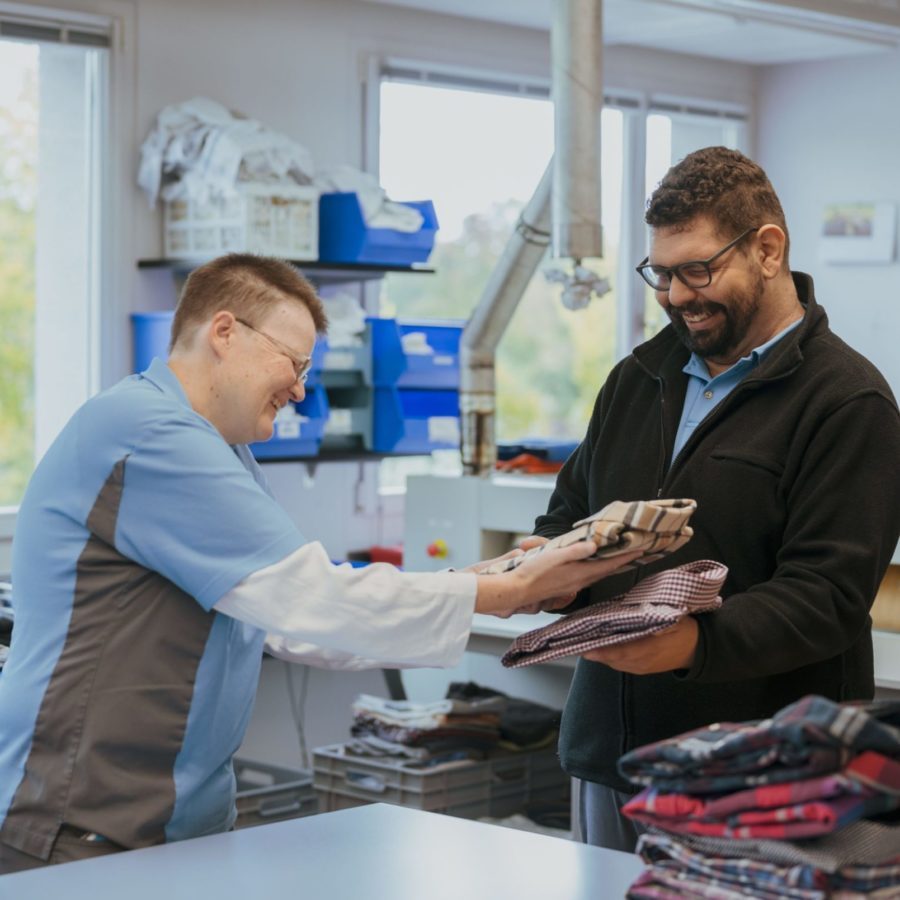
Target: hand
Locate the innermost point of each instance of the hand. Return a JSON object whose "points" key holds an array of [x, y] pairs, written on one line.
{"points": [[546, 577], [529, 543], [477, 567], [664, 651]]}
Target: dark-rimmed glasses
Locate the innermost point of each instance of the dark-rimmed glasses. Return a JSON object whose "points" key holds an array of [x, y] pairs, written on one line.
{"points": [[301, 364], [696, 273]]}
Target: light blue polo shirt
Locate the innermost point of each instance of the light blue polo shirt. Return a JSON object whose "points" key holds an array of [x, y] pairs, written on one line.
{"points": [[125, 694], [705, 393]]}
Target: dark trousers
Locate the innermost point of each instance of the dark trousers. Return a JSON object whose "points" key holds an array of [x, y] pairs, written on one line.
{"points": [[602, 825], [69, 846]]}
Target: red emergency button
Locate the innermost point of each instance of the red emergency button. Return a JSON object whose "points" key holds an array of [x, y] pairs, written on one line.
{"points": [[437, 549]]}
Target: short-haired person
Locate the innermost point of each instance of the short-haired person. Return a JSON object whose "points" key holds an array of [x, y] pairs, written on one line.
{"points": [[788, 440], [151, 567]]}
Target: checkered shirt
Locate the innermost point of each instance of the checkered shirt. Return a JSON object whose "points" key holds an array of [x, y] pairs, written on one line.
{"points": [[679, 861], [653, 604], [657, 527], [812, 736]]}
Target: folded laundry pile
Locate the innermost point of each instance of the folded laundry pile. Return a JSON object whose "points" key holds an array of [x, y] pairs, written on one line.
{"points": [[653, 604], [469, 723], [805, 804], [656, 527]]}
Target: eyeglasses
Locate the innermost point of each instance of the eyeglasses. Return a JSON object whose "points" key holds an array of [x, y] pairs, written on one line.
{"points": [[695, 273], [301, 364]]}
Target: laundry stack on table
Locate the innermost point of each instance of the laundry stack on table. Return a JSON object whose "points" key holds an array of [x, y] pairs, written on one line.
{"points": [[474, 753], [804, 805]]}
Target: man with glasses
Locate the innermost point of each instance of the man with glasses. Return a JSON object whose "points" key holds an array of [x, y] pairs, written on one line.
{"points": [[789, 441], [151, 567]]}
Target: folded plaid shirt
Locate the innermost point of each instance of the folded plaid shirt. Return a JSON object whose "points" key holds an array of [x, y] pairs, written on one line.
{"points": [[797, 809], [863, 846], [658, 883], [677, 861], [655, 603], [657, 527], [812, 736]]}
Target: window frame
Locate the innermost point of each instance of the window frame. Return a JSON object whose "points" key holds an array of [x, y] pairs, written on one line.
{"points": [[96, 24]]}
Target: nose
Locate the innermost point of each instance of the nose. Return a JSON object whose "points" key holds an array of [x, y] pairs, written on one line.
{"points": [[677, 294], [298, 391]]}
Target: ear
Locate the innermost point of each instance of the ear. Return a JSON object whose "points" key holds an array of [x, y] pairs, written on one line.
{"points": [[770, 241], [220, 332]]}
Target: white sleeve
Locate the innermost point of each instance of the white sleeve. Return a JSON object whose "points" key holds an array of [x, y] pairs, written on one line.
{"points": [[341, 617]]}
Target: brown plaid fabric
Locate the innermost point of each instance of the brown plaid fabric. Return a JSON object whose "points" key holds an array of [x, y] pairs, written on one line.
{"points": [[657, 527], [653, 604]]}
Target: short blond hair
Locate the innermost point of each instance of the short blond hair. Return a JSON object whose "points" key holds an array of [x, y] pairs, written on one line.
{"points": [[247, 285]]}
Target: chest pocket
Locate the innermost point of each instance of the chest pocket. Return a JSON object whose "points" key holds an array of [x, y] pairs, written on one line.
{"points": [[754, 464], [748, 481]]}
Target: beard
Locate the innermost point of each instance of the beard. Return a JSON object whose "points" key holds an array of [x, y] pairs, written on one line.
{"points": [[738, 310]]}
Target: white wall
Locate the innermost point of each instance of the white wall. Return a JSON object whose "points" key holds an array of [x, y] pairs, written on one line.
{"points": [[829, 132]]}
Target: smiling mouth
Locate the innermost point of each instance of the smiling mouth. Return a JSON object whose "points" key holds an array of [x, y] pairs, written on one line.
{"points": [[697, 319]]}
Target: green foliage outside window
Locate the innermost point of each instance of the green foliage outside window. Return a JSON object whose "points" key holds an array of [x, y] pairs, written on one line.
{"points": [[18, 187], [551, 361]]}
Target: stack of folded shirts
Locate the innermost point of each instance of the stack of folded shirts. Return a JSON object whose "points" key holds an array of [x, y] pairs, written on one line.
{"points": [[524, 724], [444, 729], [656, 603], [805, 804], [656, 527]]}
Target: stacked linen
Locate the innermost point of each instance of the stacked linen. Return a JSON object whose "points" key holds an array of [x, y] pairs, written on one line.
{"points": [[436, 731], [804, 805]]}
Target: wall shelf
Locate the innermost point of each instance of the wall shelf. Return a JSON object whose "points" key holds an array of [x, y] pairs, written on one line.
{"points": [[319, 272]]}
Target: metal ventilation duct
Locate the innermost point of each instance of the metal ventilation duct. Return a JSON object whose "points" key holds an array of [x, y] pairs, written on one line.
{"points": [[574, 175]]}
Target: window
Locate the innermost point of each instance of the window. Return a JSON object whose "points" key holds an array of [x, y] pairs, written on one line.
{"points": [[479, 154], [52, 100], [477, 148]]}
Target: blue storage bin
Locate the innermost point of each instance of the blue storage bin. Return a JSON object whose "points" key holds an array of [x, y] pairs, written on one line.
{"points": [[345, 238], [151, 332], [412, 421], [318, 362], [298, 435], [392, 365]]}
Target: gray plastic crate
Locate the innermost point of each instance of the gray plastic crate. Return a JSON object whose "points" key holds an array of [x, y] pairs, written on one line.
{"points": [[271, 793], [458, 788], [518, 779]]}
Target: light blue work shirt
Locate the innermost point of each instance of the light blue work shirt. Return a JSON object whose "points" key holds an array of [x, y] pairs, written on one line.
{"points": [[705, 393]]}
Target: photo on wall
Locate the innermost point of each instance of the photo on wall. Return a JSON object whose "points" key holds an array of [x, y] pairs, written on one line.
{"points": [[858, 233]]}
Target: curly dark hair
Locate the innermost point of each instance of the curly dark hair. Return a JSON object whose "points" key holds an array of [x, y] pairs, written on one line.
{"points": [[721, 184]]}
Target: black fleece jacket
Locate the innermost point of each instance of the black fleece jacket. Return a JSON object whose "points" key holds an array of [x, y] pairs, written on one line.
{"points": [[796, 474]]}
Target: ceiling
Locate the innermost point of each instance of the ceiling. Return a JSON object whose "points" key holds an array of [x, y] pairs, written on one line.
{"points": [[760, 32]]}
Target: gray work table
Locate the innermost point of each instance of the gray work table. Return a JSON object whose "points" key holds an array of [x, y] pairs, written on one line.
{"points": [[373, 852]]}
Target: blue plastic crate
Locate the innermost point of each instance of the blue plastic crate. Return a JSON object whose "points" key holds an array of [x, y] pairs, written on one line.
{"points": [[394, 366], [412, 421], [344, 236], [299, 435], [150, 332]]}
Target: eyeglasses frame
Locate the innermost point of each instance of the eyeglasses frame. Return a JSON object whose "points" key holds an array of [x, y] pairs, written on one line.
{"points": [[675, 270], [301, 365]]}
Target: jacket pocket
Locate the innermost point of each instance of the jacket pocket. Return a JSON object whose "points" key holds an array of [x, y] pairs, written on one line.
{"points": [[739, 457]]}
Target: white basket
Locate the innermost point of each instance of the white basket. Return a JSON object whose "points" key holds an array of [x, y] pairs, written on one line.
{"points": [[275, 221]]}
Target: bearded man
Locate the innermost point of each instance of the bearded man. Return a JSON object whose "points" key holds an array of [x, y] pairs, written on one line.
{"points": [[789, 441]]}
